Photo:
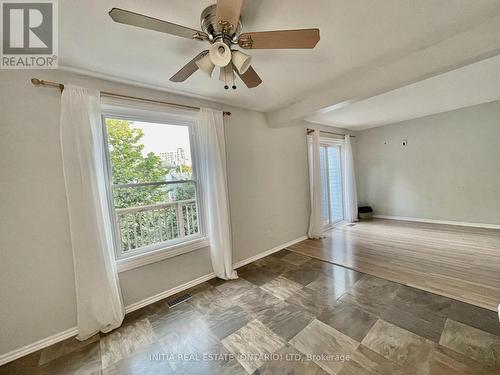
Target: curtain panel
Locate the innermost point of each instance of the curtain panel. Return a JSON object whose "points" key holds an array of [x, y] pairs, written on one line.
{"points": [[350, 195], [211, 150], [98, 296], [316, 218]]}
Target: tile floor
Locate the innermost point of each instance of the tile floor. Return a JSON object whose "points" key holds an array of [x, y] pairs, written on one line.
{"points": [[288, 314]]}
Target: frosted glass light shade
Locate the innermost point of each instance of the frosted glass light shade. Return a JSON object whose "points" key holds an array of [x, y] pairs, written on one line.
{"points": [[220, 53], [206, 65], [241, 61]]}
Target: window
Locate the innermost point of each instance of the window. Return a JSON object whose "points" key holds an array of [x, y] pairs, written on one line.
{"points": [[153, 183], [331, 184]]}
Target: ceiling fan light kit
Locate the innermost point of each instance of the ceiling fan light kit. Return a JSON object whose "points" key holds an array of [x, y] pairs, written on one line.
{"points": [[205, 64], [241, 61], [220, 53], [221, 26]]}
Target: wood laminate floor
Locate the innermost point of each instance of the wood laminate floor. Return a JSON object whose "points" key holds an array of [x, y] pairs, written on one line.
{"points": [[462, 263]]}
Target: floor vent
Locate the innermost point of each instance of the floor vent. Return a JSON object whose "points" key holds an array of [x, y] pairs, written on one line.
{"points": [[351, 225], [179, 299]]}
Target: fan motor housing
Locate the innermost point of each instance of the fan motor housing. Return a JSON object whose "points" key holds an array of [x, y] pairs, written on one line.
{"points": [[208, 21]]}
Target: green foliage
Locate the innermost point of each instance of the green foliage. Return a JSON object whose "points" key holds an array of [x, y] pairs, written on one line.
{"points": [[184, 192], [130, 166]]}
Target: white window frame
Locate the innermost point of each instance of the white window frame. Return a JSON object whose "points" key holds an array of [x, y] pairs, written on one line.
{"points": [[334, 142], [156, 252]]}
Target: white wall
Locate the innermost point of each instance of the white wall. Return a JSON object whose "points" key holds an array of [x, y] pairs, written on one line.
{"points": [[267, 177], [450, 169]]}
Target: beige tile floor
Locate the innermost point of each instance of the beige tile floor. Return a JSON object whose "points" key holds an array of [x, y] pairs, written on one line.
{"points": [[288, 314]]}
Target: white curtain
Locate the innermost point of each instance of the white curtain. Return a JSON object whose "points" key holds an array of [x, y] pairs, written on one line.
{"points": [[315, 220], [98, 297], [211, 149], [350, 195]]}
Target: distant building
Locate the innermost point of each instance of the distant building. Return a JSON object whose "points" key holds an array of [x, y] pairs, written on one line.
{"points": [[175, 158]]}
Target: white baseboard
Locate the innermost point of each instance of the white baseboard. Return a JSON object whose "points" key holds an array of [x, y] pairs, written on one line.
{"points": [[40, 344], [168, 293], [43, 343], [432, 221], [263, 254]]}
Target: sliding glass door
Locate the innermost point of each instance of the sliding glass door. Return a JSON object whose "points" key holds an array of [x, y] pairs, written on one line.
{"points": [[331, 184]]}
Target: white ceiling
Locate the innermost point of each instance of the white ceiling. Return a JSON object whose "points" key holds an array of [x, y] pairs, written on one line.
{"points": [[354, 34], [473, 84]]}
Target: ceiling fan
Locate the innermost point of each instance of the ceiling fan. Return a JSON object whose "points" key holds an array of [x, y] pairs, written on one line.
{"points": [[221, 25]]}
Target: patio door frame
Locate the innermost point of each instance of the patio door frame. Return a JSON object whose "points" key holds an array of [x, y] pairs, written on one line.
{"points": [[333, 142]]}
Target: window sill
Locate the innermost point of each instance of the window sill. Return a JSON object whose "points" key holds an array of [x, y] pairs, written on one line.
{"points": [[126, 264]]}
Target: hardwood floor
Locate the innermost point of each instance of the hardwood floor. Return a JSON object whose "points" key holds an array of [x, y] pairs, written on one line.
{"points": [[458, 262]]}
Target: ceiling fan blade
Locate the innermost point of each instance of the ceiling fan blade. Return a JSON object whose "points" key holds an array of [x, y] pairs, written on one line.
{"points": [[228, 15], [305, 38], [250, 77], [150, 23], [187, 70]]}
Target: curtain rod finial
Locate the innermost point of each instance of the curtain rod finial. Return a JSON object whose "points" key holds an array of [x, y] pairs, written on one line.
{"points": [[41, 82]]}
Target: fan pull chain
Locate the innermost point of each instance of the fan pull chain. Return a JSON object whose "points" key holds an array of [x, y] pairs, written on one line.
{"points": [[225, 78], [225, 70]]}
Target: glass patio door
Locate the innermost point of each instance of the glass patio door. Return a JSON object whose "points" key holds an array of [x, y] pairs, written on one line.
{"points": [[331, 184]]}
